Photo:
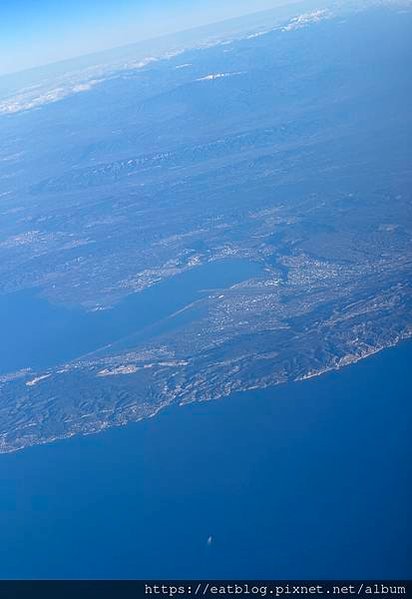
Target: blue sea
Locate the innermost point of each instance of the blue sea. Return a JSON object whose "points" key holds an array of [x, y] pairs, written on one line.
{"points": [[305, 480]]}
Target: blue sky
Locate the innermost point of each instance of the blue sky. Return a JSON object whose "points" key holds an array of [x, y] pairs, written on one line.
{"points": [[36, 32]]}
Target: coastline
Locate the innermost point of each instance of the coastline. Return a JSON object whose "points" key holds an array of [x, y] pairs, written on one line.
{"points": [[342, 364]]}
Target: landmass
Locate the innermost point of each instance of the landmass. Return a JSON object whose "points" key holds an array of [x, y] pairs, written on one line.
{"points": [[274, 148]]}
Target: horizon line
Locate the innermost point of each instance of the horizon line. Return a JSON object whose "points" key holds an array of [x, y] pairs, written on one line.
{"points": [[154, 38]]}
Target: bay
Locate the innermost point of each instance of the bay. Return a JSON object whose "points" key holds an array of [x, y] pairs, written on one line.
{"points": [[37, 334]]}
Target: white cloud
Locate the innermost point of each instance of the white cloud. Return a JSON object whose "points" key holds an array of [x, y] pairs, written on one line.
{"points": [[306, 19], [71, 83], [213, 76], [28, 100]]}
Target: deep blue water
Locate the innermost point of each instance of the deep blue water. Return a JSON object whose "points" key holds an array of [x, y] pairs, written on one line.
{"points": [[306, 480], [36, 334]]}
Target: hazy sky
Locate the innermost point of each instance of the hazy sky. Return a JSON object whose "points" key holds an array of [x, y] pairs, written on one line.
{"points": [[36, 32]]}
